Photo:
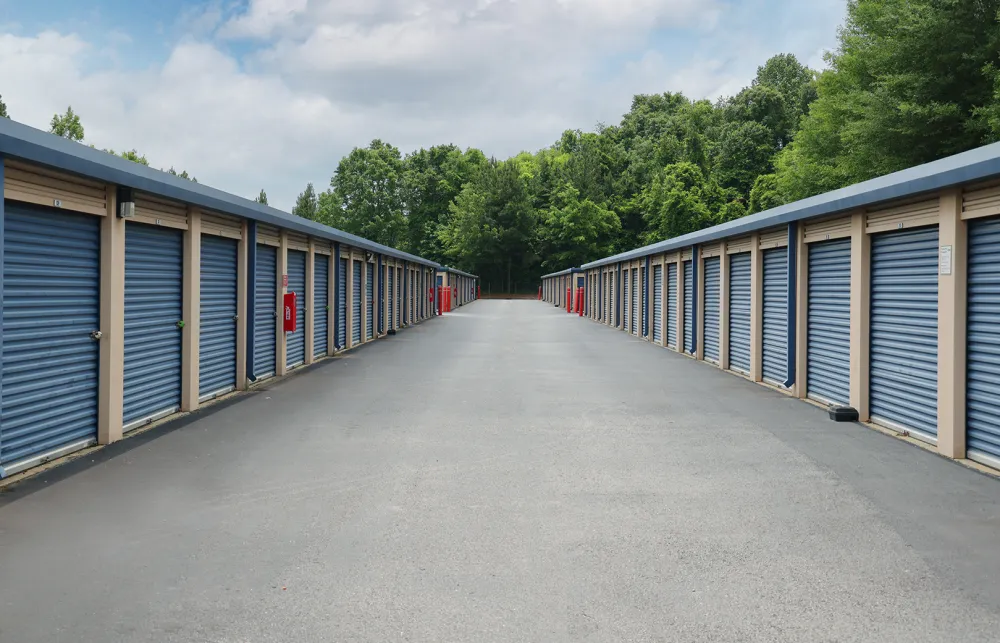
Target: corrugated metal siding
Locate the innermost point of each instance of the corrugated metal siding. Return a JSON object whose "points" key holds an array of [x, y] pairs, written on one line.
{"points": [[983, 385], [34, 184], [627, 320], [295, 343], [636, 311], [321, 304], [775, 238], [217, 337], [908, 215], [981, 200], [671, 304], [399, 297], [826, 229], [828, 359], [356, 304], [739, 244], [161, 212], [392, 298], [658, 304], [268, 235], [739, 312], [51, 304], [342, 303], [221, 225], [775, 329], [712, 296], [369, 301], [154, 260], [904, 299], [297, 241], [688, 308], [265, 314]]}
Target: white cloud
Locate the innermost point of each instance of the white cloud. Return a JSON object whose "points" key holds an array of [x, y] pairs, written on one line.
{"points": [[325, 76]]}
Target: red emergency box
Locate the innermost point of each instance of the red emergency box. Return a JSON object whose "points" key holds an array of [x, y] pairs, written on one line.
{"points": [[291, 313]]}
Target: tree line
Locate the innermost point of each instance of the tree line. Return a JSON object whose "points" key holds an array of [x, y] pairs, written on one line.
{"points": [[910, 81]]}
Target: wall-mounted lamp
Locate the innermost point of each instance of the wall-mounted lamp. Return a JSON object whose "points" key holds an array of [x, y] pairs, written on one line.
{"points": [[126, 204]]}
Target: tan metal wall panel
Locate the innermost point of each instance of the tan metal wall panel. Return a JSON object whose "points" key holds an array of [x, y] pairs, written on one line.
{"points": [[221, 225], [162, 212], [979, 201], [738, 244], [298, 241], [826, 229], [671, 257], [323, 247], [268, 235], [32, 184], [908, 215], [711, 249], [686, 254], [775, 238]]}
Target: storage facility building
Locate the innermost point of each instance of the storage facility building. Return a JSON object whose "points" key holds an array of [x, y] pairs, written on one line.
{"points": [[882, 296], [130, 295]]}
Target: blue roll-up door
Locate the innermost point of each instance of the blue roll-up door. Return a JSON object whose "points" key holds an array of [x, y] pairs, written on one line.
{"points": [[356, 304], [154, 265], [712, 295], [774, 355], [295, 343], [342, 303], [627, 318], [636, 311], [658, 304], [321, 304], [739, 312], [51, 305], [828, 350], [217, 337], [399, 297], [904, 298], [982, 410], [369, 301], [265, 314], [671, 305], [392, 298], [688, 307]]}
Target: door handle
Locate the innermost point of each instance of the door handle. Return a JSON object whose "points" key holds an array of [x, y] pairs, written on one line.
{"points": [[96, 335]]}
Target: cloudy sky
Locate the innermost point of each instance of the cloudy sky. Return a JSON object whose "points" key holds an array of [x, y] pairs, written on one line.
{"points": [[251, 94]]}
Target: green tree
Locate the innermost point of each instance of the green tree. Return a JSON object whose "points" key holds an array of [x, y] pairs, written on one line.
{"points": [[307, 204], [765, 194], [366, 197], [3, 109], [67, 125], [681, 200], [131, 155], [262, 198], [911, 81], [182, 175], [432, 179], [576, 230]]}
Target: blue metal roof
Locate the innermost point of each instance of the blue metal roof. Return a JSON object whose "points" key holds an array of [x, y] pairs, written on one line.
{"points": [[29, 144], [975, 165], [457, 272], [568, 271]]}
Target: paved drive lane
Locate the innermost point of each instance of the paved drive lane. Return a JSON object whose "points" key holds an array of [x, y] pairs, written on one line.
{"points": [[505, 473]]}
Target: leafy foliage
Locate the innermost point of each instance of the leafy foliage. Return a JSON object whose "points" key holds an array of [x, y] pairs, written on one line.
{"points": [[67, 125], [262, 197], [3, 109]]}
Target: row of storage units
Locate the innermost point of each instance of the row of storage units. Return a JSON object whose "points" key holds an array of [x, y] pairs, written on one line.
{"points": [[130, 295], [559, 288], [883, 297], [465, 286]]}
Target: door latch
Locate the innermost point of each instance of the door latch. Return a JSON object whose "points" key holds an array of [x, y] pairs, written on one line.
{"points": [[236, 318], [96, 335]]}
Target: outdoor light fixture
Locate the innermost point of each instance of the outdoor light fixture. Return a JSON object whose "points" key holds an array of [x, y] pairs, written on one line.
{"points": [[126, 204]]}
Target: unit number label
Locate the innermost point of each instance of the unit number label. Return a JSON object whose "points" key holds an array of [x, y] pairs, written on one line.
{"points": [[944, 260]]}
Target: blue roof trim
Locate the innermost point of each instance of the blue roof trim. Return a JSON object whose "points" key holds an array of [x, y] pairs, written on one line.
{"points": [[975, 165], [457, 272], [25, 143], [568, 271]]}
